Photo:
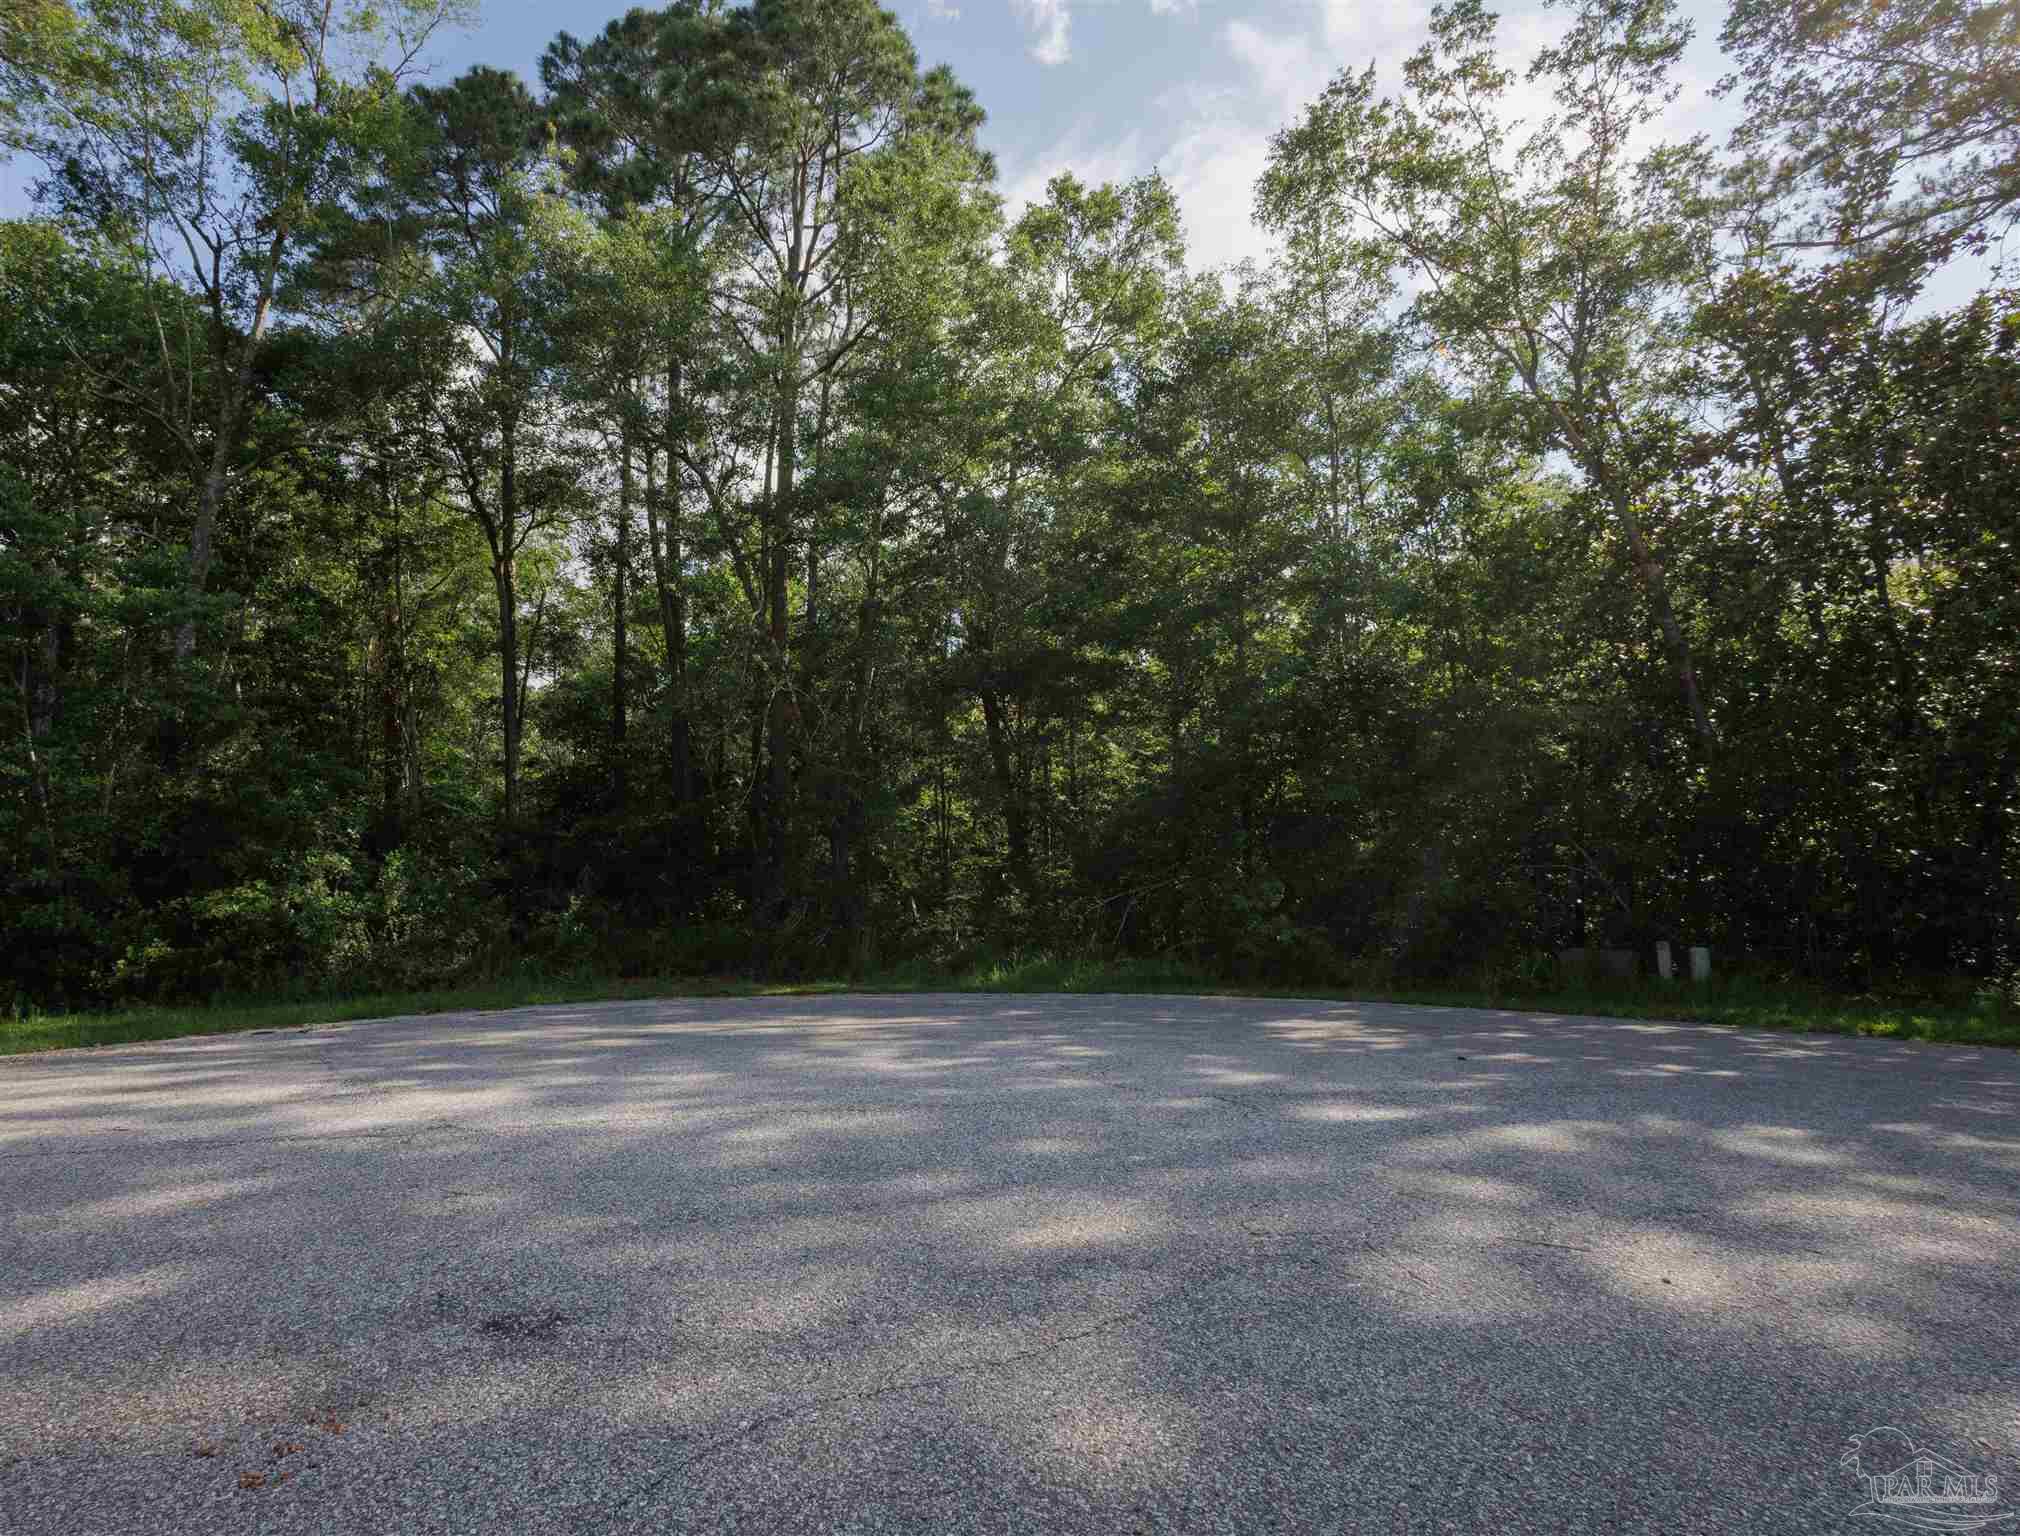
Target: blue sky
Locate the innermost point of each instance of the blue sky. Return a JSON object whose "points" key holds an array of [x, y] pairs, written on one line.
{"points": [[1112, 88]]}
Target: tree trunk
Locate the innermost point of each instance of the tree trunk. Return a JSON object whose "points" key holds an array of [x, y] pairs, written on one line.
{"points": [[1016, 814], [37, 679], [209, 498], [757, 818], [849, 826], [1656, 584], [392, 758], [664, 542], [393, 719], [505, 580], [410, 742], [778, 717], [621, 598], [228, 426], [813, 530], [1600, 470]]}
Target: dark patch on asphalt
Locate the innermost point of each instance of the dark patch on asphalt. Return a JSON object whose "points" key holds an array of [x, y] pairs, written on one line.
{"points": [[516, 1326], [523, 1325]]}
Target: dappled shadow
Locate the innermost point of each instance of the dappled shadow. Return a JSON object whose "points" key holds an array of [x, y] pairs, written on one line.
{"points": [[1046, 1263]]}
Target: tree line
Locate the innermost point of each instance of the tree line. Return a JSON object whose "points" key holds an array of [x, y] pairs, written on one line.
{"points": [[673, 516]]}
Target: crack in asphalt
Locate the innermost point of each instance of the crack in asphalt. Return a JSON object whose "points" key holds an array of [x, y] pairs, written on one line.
{"points": [[764, 1421]]}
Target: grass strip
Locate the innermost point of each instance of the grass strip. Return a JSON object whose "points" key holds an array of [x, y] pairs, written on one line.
{"points": [[1739, 1002]]}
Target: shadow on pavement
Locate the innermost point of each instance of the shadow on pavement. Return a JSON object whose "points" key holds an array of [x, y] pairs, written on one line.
{"points": [[948, 1263]]}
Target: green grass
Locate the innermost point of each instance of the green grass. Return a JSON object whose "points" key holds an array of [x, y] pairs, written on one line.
{"points": [[1750, 1005], [1741, 1002], [56, 1031], [1737, 1001]]}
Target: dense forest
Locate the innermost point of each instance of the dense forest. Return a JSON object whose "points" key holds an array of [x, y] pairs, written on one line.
{"points": [[673, 517]]}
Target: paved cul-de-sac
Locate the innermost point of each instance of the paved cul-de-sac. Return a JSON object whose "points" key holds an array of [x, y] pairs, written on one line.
{"points": [[942, 1264]]}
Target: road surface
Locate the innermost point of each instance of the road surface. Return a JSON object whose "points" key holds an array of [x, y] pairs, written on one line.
{"points": [[1048, 1264]]}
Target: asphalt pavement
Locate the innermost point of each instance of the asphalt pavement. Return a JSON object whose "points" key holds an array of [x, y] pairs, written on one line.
{"points": [[944, 1264]]}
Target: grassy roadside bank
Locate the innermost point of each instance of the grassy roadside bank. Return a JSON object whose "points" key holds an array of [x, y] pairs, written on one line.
{"points": [[1738, 1002], [128, 1026]]}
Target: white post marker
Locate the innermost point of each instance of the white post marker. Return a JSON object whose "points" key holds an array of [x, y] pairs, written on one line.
{"points": [[1700, 963], [1665, 962]]}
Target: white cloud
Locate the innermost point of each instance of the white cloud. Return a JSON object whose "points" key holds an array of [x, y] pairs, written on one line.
{"points": [[940, 10], [1049, 22], [1117, 160], [1213, 156], [1218, 142], [1286, 69], [1211, 161], [1351, 33], [1214, 180], [1212, 142]]}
